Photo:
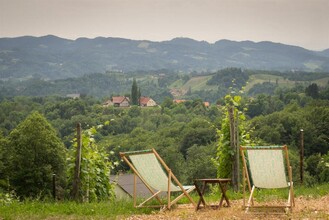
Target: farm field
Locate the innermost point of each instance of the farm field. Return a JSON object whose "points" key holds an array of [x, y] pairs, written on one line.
{"points": [[200, 82]]}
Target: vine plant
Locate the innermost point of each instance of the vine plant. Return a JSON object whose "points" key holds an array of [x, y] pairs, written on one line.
{"points": [[225, 153], [94, 181]]}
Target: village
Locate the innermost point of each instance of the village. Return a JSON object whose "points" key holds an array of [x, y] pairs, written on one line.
{"points": [[123, 101]]}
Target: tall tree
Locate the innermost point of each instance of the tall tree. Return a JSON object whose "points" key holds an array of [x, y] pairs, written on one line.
{"points": [[312, 90], [134, 93], [37, 154]]}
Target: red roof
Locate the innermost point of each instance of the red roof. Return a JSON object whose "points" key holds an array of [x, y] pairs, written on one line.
{"points": [[118, 99], [179, 100], [144, 100]]}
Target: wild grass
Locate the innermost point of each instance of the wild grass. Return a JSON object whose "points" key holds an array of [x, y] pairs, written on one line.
{"points": [[124, 208], [261, 195], [69, 210]]}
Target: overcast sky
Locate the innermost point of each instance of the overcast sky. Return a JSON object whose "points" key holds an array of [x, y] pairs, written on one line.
{"points": [[296, 22]]}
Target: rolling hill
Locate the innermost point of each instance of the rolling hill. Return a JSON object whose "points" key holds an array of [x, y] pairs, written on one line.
{"points": [[51, 57]]}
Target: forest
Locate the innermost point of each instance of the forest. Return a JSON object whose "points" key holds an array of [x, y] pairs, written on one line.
{"points": [[41, 130]]}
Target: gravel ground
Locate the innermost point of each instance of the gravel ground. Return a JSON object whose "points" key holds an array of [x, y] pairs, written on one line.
{"points": [[306, 208]]}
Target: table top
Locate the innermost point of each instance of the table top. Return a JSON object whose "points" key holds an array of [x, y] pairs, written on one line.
{"points": [[213, 180]]}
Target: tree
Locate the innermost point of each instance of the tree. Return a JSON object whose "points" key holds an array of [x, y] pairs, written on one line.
{"points": [[134, 93], [199, 164], [198, 132], [37, 154], [312, 90], [167, 103]]}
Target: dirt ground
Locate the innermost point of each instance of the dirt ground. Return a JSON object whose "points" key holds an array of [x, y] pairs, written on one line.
{"points": [[305, 208]]}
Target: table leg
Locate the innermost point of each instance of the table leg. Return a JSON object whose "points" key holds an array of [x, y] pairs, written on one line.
{"points": [[223, 189], [201, 199]]}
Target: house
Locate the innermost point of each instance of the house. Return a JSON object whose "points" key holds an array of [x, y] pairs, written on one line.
{"points": [[177, 101], [120, 101], [73, 95], [108, 103], [146, 102], [124, 186]]}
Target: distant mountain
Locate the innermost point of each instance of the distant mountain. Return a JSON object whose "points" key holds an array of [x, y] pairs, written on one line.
{"points": [[51, 57], [325, 52]]}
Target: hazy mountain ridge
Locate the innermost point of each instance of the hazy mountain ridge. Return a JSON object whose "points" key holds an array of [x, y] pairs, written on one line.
{"points": [[53, 57]]}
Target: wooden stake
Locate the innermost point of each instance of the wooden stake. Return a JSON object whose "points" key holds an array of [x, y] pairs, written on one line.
{"points": [[301, 156], [76, 180], [234, 132]]}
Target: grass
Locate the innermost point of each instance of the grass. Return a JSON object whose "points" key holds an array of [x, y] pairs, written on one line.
{"points": [[69, 210], [199, 83], [123, 209], [261, 195]]}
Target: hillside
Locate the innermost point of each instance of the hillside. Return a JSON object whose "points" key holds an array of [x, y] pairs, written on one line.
{"points": [[50, 57], [208, 86], [199, 83]]}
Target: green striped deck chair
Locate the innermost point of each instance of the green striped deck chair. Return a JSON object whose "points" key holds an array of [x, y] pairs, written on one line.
{"points": [[157, 177], [266, 167]]}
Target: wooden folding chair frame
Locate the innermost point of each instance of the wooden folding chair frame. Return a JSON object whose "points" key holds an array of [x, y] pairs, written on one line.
{"points": [[250, 204], [171, 176]]}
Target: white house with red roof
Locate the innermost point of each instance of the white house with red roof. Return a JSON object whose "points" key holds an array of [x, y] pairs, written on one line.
{"points": [[147, 102], [120, 101]]}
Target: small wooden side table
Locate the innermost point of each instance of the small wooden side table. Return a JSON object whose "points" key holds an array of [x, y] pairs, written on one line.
{"points": [[222, 185]]}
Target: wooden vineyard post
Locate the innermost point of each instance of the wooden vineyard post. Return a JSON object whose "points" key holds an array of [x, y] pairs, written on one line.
{"points": [[234, 139], [301, 165], [76, 180]]}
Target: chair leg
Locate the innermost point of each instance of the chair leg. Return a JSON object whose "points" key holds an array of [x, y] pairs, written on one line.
{"points": [[183, 194], [292, 195], [154, 195], [250, 198], [169, 193]]}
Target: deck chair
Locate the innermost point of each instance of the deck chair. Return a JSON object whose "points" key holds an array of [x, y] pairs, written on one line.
{"points": [[264, 167], [156, 176]]}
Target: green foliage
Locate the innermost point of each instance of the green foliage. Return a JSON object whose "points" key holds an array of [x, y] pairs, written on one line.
{"points": [[264, 88], [263, 105], [7, 198], [312, 90], [225, 153], [198, 132], [199, 162], [318, 167], [134, 93], [4, 162], [134, 112], [230, 77], [283, 127], [36, 154], [94, 171], [176, 129]]}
